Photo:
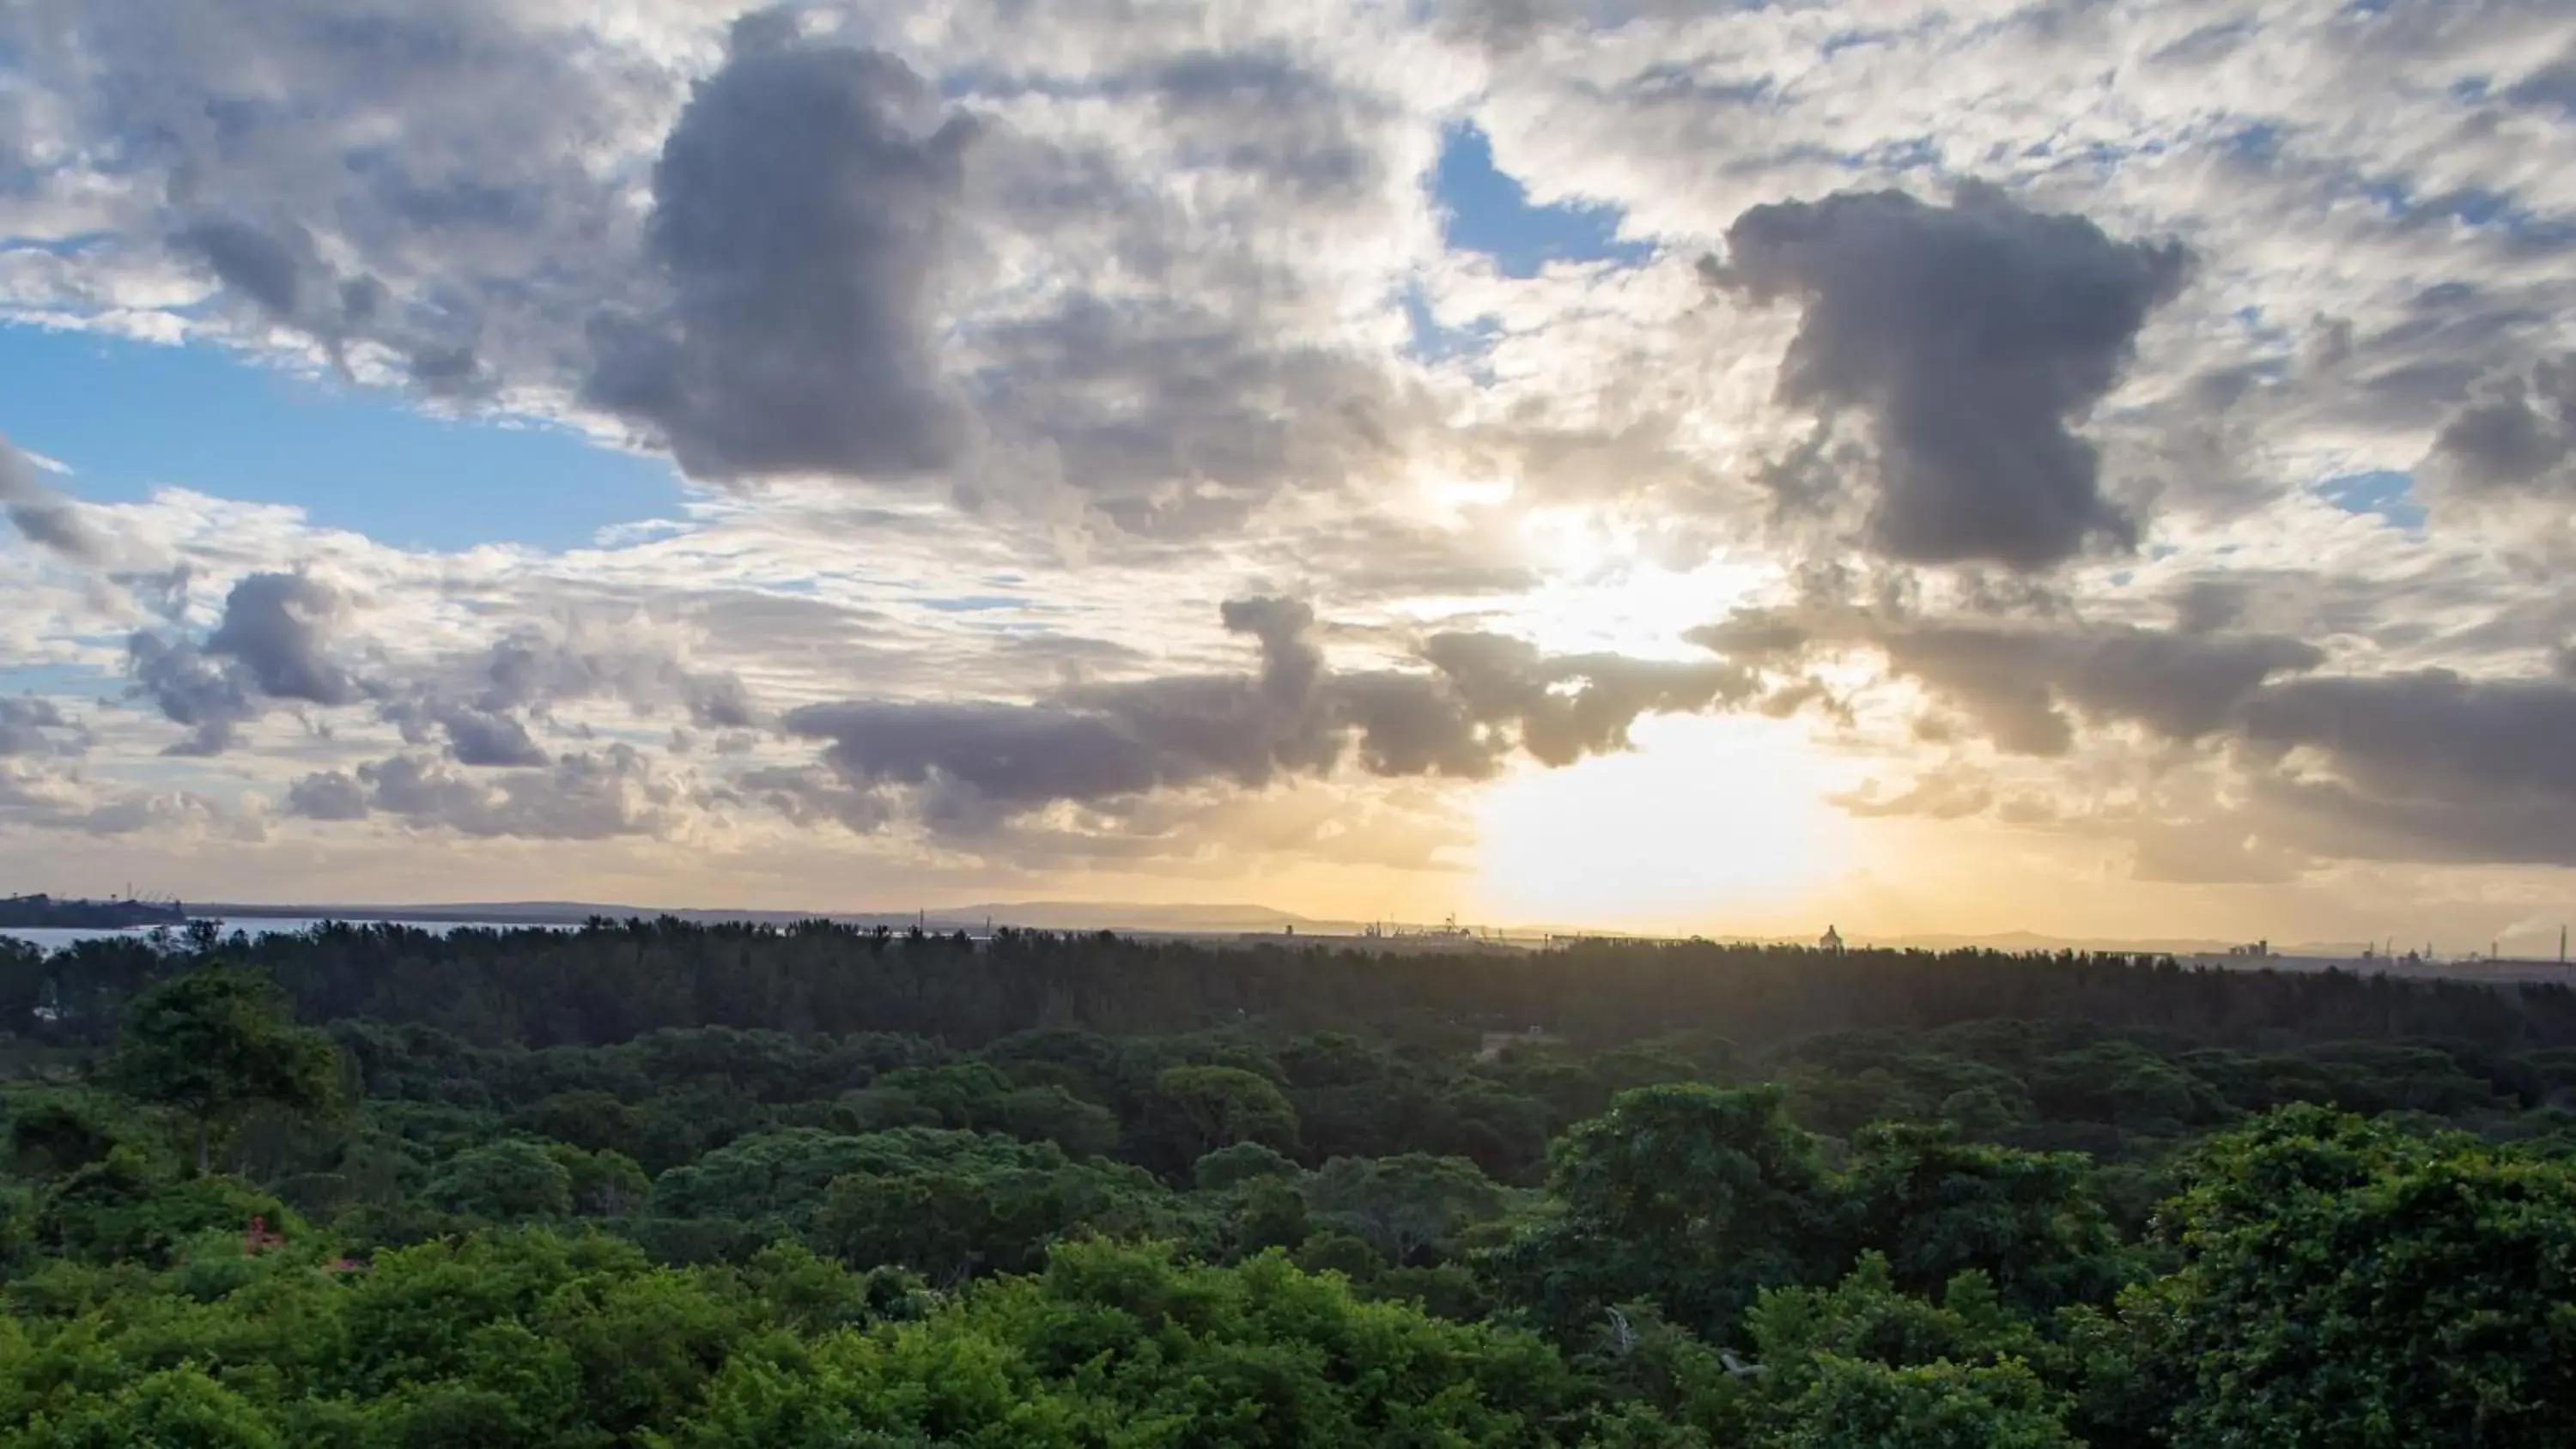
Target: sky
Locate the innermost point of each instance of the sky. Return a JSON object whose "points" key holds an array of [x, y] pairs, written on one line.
{"points": [[2096, 468]]}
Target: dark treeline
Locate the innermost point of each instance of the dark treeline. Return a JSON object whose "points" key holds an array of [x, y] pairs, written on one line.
{"points": [[683, 1187], [611, 983], [53, 912]]}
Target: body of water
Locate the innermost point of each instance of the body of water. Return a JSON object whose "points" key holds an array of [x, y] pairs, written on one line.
{"points": [[50, 937]]}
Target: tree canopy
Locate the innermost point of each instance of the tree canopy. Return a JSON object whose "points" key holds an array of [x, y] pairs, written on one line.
{"points": [[1989, 1201]]}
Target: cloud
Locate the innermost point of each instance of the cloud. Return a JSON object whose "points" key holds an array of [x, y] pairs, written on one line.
{"points": [[2179, 686], [474, 737], [33, 726], [274, 270], [2515, 438], [277, 627], [1934, 795], [2427, 764], [802, 208], [976, 765], [1264, 114], [189, 689], [2017, 681], [43, 795], [591, 795], [329, 795], [1568, 706], [44, 517], [537, 669], [271, 644], [1973, 337], [481, 703]]}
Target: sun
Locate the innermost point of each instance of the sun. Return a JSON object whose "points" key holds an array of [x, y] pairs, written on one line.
{"points": [[1710, 825]]}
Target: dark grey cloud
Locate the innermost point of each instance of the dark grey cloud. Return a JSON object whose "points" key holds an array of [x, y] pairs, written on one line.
{"points": [[2207, 605], [43, 516], [801, 212], [1567, 706], [329, 795], [2517, 436], [190, 689], [279, 270], [979, 762], [276, 627], [1264, 113], [976, 765], [1973, 337], [271, 644], [2429, 734], [2018, 682], [34, 726], [2550, 88], [718, 701], [474, 737], [2179, 686], [592, 795], [2427, 766]]}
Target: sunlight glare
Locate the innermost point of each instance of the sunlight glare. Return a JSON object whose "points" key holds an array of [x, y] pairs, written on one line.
{"points": [[1711, 824]]}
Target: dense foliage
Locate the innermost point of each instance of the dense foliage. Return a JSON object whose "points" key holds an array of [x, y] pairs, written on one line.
{"points": [[660, 1185]]}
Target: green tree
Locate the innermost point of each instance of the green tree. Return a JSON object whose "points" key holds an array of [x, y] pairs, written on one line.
{"points": [[1203, 1108], [502, 1182], [215, 1041], [1937, 1207], [1402, 1206], [1232, 1167], [181, 1408], [1940, 1405], [1694, 1197], [2345, 1283]]}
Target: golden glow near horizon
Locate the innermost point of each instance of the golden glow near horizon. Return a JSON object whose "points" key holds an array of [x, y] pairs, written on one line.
{"points": [[1710, 824]]}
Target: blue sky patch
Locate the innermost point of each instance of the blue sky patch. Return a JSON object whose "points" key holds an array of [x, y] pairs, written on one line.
{"points": [[1435, 341], [132, 416], [59, 681], [1489, 211], [2385, 492]]}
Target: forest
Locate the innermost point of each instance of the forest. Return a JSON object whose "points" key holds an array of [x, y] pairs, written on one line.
{"points": [[680, 1186]]}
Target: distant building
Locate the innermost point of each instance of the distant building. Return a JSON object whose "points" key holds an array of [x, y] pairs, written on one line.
{"points": [[1832, 940]]}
